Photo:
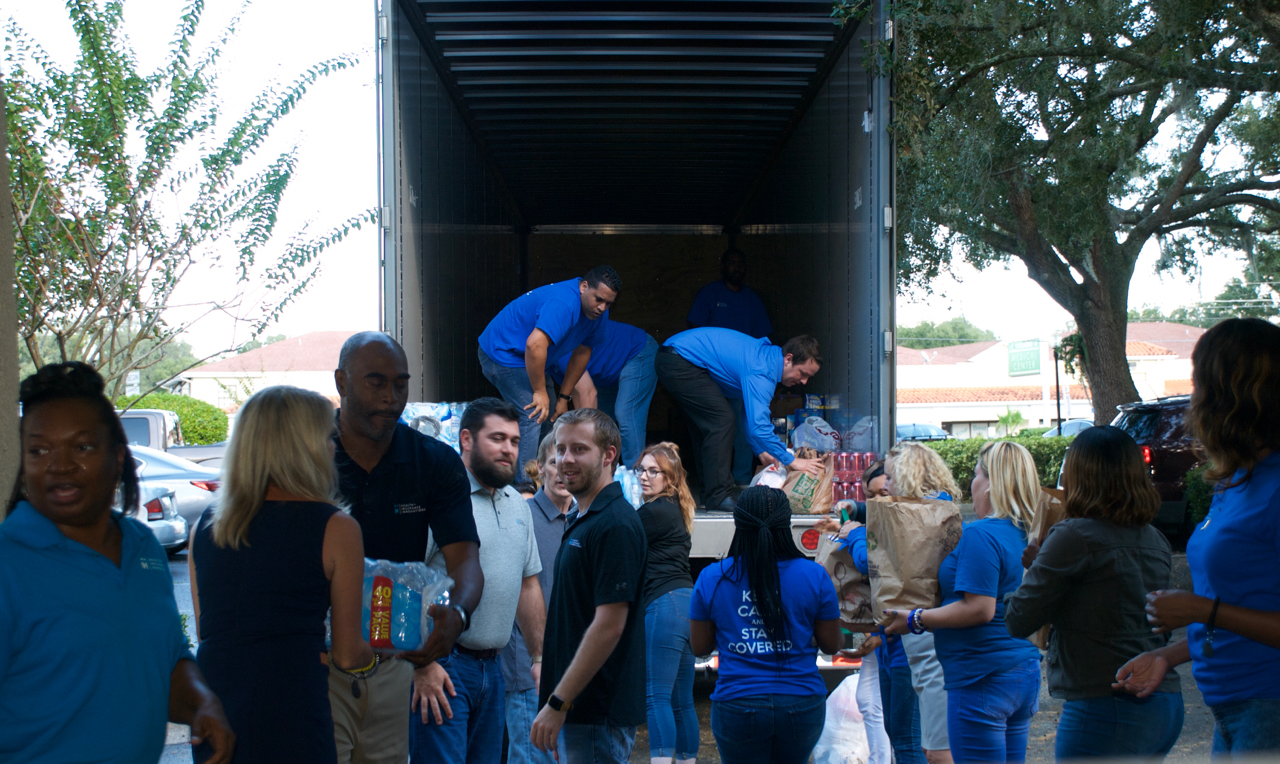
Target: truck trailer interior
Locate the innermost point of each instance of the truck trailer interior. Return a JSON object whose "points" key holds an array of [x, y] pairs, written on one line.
{"points": [[523, 142]]}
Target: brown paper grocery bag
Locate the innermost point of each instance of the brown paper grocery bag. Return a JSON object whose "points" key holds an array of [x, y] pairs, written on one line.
{"points": [[811, 495], [1052, 510], [907, 540], [853, 590]]}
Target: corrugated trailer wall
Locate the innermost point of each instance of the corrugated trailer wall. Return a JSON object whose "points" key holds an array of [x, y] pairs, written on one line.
{"points": [[459, 250], [814, 235]]}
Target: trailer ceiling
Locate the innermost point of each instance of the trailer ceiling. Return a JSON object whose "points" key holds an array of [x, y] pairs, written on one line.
{"points": [[623, 112]]}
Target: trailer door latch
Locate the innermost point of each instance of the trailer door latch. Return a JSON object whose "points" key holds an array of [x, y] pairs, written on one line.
{"points": [[888, 342], [888, 218]]}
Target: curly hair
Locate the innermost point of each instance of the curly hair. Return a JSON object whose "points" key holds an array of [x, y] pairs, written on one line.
{"points": [[1106, 479], [667, 455], [1234, 414], [918, 472], [75, 380]]}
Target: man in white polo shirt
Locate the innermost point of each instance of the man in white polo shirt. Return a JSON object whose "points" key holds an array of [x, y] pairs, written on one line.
{"points": [[458, 701]]}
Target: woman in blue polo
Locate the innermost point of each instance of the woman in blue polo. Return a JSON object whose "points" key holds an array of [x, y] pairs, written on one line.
{"points": [[1233, 618], [93, 659], [992, 679], [769, 703]]}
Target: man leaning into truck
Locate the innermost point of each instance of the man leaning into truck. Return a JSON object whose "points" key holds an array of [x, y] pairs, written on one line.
{"points": [[704, 368], [537, 329]]}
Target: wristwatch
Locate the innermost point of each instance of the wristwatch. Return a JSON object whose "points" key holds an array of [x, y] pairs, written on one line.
{"points": [[557, 704], [466, 617], [562, 396]]}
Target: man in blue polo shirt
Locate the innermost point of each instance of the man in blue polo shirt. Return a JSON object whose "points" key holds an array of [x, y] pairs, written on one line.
{"points": [[731, 304], [538, 328], [619, 381], [704, 369]]}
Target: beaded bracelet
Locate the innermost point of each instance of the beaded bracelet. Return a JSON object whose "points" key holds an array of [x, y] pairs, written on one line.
{"points": [[915, 622], [362, 673]]}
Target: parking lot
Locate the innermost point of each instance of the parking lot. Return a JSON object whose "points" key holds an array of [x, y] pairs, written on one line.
{"points": [[1193, 745]]}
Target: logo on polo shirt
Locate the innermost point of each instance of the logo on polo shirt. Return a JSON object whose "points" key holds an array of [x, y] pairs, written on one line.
{"points": [[575, 542], [409, 509], [152, 563]]}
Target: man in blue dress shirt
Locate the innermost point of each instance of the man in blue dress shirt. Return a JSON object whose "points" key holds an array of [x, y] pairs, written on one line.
{"points": [[704, 369], [731, 304], [538, 328]]}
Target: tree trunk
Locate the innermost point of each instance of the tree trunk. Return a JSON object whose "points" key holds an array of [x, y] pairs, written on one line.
{"points": [[9, 447], [1105, 363]]}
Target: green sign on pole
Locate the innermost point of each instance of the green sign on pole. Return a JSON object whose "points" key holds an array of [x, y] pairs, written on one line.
{"points": [[1024, 358]]}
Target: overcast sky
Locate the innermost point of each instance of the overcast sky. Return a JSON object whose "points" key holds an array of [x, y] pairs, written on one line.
{"points": [[337, 176]]}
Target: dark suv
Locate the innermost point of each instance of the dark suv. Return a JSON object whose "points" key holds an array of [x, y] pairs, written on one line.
{"points": [[1157, 426]]}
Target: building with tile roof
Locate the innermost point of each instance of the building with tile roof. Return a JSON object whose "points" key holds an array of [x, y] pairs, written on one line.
{"points": [[307, 361]]}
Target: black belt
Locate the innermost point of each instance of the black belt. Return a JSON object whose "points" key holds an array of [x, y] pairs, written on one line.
{"points": [[667, 349], [483, 655]]}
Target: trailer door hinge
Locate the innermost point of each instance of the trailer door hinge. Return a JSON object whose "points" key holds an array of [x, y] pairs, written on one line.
{"points": [[888, 29], [384, 28], [888, 218], [888, 342], [384, 217]]}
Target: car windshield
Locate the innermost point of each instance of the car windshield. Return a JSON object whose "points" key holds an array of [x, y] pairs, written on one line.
{"points": [[1140, 423], [137, 430]]}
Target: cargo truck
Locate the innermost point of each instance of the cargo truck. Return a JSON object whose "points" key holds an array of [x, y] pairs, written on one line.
{"points": [[523, 142]]}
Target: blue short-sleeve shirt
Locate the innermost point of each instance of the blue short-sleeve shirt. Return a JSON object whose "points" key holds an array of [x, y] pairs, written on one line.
{"points": [[748, 664], [86, 648], [556, 309], [621, 343], [1235, 554], [986, 562], [742, 311]]}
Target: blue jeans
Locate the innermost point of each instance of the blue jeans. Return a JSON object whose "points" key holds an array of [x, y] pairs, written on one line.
{"points": [[596, 744], [513, 385], [901, 711], [522, 709], [1119, 727], [474, 734], [989, 719], [673, 723], [768, 729], [628, 403], [1246, 726]]}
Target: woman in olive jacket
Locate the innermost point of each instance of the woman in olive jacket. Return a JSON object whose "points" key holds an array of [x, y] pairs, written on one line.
{"points": [[1090, 580]]}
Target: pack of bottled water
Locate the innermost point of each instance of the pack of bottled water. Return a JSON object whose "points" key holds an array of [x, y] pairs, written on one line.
{"points": [[630, 481], [395, 602]]}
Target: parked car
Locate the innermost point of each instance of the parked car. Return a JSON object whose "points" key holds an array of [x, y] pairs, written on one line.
{"points": [[157, 507], [1158, 428], [1069, 428], [921, 432], [194, 485], [161, 430]]}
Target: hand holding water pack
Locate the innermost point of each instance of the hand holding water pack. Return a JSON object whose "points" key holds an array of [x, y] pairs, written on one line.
{"points": [[395, 601]]}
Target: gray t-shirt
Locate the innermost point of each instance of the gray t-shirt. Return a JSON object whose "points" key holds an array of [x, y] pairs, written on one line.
{"points": [[508, 553]]}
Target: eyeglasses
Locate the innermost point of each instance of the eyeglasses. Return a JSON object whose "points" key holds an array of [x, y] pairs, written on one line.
{"points": [[651, 473]]}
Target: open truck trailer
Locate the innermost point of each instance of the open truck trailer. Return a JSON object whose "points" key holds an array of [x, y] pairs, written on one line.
{"points": [[524, 141]]}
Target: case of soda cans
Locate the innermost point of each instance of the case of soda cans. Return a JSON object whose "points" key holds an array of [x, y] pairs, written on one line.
{"points": [[847, 482]]}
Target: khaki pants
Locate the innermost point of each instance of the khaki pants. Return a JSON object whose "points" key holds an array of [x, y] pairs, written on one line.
{"points": [[374, 728]]}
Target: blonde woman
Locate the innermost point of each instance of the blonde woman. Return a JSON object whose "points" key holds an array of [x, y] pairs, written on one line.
{"points": [[267, 562], [667, 516], [992, 678]]}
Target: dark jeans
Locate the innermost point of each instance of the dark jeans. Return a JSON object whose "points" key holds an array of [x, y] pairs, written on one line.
{"points": [[1246, 727], [901, 714], [711, 423], [768, 729], [989, 719], [474, 734], [1119, 727], [593, 744]]}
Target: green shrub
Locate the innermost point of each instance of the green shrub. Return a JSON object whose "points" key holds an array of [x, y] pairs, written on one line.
{"points": [[962, 455], [202, 423], [1029, 431], [1199, 494]]}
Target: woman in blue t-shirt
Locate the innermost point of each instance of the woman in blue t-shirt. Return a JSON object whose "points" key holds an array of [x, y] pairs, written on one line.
{"points": [[992, 678], [1233, 618], [769, 703]]}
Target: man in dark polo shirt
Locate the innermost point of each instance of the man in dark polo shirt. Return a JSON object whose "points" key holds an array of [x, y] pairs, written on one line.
{"points": [[400, 485], [593, 676]]}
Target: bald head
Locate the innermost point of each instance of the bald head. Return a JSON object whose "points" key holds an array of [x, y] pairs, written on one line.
{"points": [[373, 383]]}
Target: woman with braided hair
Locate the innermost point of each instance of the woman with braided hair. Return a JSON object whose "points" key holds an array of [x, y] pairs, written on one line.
{"points": [[770, 702], [88, 623]]}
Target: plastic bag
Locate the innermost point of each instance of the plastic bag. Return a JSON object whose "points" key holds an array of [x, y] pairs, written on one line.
{"points": [[395, 601], [773, 476], [815, 433], [844, 737], [630, 485], [442, 421]]}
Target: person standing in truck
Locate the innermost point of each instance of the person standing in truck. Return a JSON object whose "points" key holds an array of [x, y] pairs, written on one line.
{"points": [[404, 489], [730, 304], [523, 342], [705, 369], [619, 381]]}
